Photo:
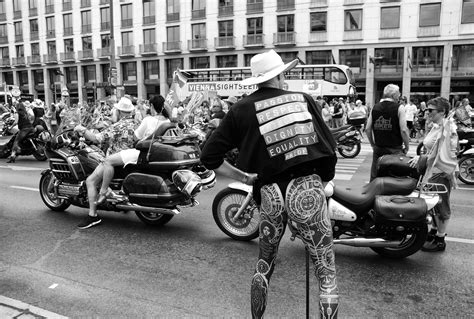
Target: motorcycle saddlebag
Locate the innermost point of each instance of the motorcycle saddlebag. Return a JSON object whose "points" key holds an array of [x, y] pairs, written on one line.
{"points": [[396, 166], [399, 210]]}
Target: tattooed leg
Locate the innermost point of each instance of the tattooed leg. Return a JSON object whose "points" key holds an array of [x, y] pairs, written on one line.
{"points": [[306, 206], [272, 227]]}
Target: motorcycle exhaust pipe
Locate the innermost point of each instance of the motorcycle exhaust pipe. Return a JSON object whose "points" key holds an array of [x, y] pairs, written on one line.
{"points": [[367, 242], [156, 210]]}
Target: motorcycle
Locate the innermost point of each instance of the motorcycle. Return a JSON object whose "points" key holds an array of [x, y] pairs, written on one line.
{"points": [[465, 155], [390, 215], [7, 124], [167, 176], [33, 144], [348, 139]]}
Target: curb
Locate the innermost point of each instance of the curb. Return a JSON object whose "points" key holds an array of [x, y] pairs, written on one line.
{"points": [[11, 308]]}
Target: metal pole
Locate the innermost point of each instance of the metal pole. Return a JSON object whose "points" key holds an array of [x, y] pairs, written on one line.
{"points": [[112, 46]]}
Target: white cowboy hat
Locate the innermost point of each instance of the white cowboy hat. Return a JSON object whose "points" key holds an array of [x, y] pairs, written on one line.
{"points": [[265, 66], [124, 105]]}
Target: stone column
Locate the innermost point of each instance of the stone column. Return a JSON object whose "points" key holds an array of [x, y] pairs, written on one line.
{"points": [[446, 72], [407, 61], [370, 78], [141, 88], [31, 83], [99, 79], [80, 84], [48, 95], [163, 81]]}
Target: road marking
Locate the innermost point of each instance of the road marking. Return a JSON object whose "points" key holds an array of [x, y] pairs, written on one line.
{"points": [[465, 189], [22, 168], [460, 240], [53, 286], [25, 188], [463, 206]]}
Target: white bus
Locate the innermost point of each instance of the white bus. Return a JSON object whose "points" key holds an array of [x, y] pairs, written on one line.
{"points": [[329, 80]]}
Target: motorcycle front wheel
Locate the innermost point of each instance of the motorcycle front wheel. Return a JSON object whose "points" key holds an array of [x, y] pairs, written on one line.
{"points": [[224, 207], [409, 244], [350, 149], [40, 153], [46, 188], [154, 219], [466, 170]]}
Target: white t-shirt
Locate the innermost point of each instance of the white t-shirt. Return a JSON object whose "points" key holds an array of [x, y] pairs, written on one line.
{"points": [[410, 111], [149, 125]]}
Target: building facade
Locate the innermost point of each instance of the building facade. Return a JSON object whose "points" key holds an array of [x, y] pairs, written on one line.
{"points": [[424, 46]]}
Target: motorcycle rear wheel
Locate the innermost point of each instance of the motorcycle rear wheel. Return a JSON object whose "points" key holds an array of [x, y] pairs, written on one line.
{"points": [[353, 152], [466, 169], [48, 196], [225, 205], [409, 245], [154, 219]]}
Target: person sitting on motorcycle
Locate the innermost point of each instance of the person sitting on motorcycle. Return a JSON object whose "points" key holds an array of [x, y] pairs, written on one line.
{"points": [[24, 125], [122, 154]]}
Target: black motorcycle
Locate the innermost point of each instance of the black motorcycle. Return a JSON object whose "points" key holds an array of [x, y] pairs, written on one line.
{"points": [[348, 139], [33, 144], [167, 176]]}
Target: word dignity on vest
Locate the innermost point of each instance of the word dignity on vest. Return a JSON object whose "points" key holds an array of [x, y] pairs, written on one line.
{"points": [[286, 125]]}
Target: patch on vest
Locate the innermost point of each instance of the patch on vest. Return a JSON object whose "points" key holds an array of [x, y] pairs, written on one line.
{"points": [[382, 124]]}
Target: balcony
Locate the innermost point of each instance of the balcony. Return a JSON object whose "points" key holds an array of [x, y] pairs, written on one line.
{"points": [[352, 35], [224, 43], [34, 60], [172, 47], [148, 49], [320, 36], [127, 23], [254, 7], [284, 38], [197, 45], [67, 6], [3, 39], [67, 56], [105, 26], [85, 3], [172, 17], [49, 9], [198, 14], [18, 37], [253, 40], [102, 2], [433, 31], [389, 33], [50, 34], [126, 51], [103, 53], [68, 31], [318, 3], [3, 17], [18, 61], [149, 20], [86, 55], [225, 11], [50, 58], [353, 2], [5, 62], [33, 12], [286, 5], [34, 35], [16, 14], [86, 28]]}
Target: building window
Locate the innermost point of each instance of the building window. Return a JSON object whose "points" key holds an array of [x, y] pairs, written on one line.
{"points": [[71, 74], [172, 34], [127, 39], [51, 45], [3, 30], [149, 36], [20, 51], [172, 10], [226, 61], [5, 53], [463, 57], [392, 57], [32, 4], [2, 9], [127, 15], [425, 57], [247, 58], [199, 9], [288, 56], [285, 4], [129, 71], [67, 22], [255, 25], [226, 7], [318, 21], [89, 73], [87, 43], [18, 28], [200, 62], [353, 19], [354, 58], [389, 17], [105, 19], [148, 11], [68, 45], [199, 31], [105, 70], [152, 70], [319, 57], [86, 21], [226, 28], [105, 40], [16, 5], [34, 26], [38, 76], [467, 11], [35, 49], [286, 23], [430, 14], [171, 66]]}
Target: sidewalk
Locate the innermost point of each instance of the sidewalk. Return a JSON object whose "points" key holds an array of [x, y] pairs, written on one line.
{"points": [[11, 308]]}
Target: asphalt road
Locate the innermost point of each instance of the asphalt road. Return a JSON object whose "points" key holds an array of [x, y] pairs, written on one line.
{"points": [[189, 268]]}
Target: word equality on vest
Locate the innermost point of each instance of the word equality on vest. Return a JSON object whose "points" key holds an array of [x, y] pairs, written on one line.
{"points": [[386, 125]]}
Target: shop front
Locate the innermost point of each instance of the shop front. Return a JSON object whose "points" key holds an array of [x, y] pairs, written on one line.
{"points": [[388, 69], [356, 60], [426, 73], [462, 72]]}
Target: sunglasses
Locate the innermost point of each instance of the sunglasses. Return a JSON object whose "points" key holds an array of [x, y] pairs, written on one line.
{"points": [[431, 110]]}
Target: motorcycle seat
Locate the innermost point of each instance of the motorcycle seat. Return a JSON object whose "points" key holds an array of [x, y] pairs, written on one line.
{"points": [[362, 200]]}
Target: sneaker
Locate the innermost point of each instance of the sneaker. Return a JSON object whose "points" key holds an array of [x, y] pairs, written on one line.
{"points": [[89, 221], [437, 244]]}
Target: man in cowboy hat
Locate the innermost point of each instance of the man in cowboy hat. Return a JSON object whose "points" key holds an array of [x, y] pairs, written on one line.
{"points": [[282, 140]]}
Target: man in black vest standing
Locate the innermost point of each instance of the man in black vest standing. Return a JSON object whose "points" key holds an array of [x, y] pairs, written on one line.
{"points": [[387, 129]]}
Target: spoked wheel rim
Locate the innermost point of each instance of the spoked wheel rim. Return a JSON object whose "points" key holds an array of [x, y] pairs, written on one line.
{"points": [[466, 169], [47, 188], [247, 223]]}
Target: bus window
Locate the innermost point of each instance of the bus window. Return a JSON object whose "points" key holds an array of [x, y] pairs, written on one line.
{"points": [[334, 75], [293, 74]]}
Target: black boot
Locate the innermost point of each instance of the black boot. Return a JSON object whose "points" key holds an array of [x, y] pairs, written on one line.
{"points": [[11, 159], [437, 244], [431, 234]]}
